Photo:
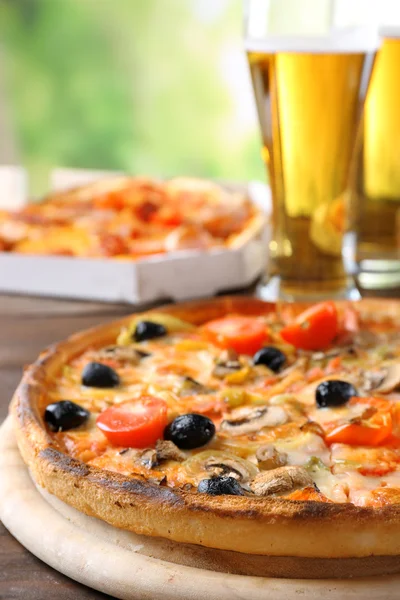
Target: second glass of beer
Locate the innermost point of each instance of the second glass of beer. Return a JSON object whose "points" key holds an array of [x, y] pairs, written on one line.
{"points": [[310, 77], [376, 197]]}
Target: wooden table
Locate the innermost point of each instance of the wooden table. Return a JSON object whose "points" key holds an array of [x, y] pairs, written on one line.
{"points": [[27, 325]]}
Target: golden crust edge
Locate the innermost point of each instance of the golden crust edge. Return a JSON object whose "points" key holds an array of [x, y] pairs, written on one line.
{"points": [[270, 527]]}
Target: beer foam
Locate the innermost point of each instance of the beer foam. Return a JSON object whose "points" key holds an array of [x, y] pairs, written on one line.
{"points": [[347, 41], [389, 32]]}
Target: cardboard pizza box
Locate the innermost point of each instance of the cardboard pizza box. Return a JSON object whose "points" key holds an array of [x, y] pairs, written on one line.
{"points": [[178, 276]]}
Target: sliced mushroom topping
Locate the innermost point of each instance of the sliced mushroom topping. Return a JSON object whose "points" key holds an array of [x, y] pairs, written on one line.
{"points": [[191, 387], [269, 458], [249, 420], [230, 467], [148, 458], [227, 363], [123, 353], [167, 450], [389, 380], [164, 450], [280, 481], [131, 454], [370, 380], [217, 463]]}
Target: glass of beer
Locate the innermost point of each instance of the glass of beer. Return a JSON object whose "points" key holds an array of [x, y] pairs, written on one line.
{"points": [[310, 71], [377, 183]]}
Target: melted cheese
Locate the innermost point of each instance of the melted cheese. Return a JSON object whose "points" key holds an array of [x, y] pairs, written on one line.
{"points": [[342, 473], [300, 448]]}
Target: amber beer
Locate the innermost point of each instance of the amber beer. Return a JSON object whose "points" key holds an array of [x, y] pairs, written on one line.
{"points": [[309, 104], [378, 228]]}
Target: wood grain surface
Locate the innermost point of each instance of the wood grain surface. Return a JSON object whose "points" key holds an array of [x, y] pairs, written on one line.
{"points": [[27, 325]]}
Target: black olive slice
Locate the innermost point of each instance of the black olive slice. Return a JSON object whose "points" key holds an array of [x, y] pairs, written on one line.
{"points": [[218, 486], [147, 330], [271, 357], [190, 431], [334, 392], [100, 376], [64, 415]]}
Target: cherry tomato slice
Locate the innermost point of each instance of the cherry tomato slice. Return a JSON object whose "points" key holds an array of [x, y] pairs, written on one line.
{"points": [[377, 470], [314, 329], [246, 335], [359, 434], [134, 424]]}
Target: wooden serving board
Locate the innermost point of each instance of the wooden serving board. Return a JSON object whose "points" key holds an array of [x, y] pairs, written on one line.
{"points": [[133, 567]]}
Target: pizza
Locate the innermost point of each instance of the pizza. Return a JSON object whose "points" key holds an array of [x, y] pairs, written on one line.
{"points": [[131, 218], [264, 429]]}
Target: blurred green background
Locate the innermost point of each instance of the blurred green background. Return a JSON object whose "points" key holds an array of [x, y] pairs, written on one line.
{"points": [[157, 87]]}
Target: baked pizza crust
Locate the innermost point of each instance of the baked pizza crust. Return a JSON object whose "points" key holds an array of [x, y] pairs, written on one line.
{"points": [[272, 527]]}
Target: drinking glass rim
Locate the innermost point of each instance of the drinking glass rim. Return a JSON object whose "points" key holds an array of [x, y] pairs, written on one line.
{"points": [[353, 40], [389, 32]]}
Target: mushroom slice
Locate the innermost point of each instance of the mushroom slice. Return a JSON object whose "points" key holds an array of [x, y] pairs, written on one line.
{"points": [[216, 463], [164, 450], [148, 458], [124, 353], [280, 481], [230, 467], [254, 419], [370, 380], [269, 458], [390, 381], [167, 450], [227, 363], [191, 387]]}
